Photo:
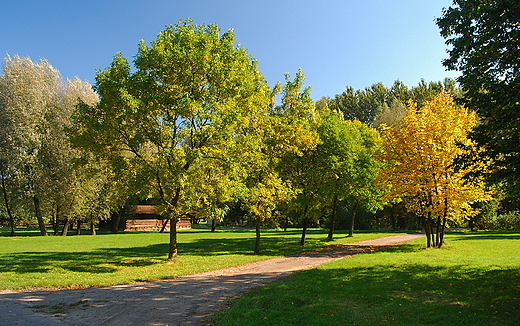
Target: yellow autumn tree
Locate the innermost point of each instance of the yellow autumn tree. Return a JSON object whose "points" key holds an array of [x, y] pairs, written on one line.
{"points": [[418, 164]]}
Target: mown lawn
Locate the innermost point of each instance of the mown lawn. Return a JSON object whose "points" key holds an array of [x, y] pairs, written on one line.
{"points": [[29, 261], [473, 280]]}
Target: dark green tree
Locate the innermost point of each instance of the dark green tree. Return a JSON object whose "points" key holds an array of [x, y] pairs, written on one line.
{"points": [[362, 105], [369, 104], [483, 37]]}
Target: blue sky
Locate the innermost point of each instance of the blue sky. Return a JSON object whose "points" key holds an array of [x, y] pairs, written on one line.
{"points": [[336, 43]]}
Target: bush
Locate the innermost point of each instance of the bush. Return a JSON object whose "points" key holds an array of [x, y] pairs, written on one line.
{"points": [[507, 221]]}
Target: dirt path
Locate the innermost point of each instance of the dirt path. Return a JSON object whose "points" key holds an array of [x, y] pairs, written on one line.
{"points": [[187, 300]]}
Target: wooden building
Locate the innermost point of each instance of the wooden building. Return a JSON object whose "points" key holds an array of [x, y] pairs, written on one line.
{"points": [[145, 218]]}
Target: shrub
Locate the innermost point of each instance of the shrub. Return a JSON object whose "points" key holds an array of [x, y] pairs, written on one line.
{"points": [[507, 221]]}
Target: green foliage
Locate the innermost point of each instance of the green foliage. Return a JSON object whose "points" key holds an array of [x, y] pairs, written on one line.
{"points": [[36, 158], [193, 91], [378, 104], [340, 166], [483, 39], [474, 280], [280, 138], [360, 105], [506, 221], [348, 163]]}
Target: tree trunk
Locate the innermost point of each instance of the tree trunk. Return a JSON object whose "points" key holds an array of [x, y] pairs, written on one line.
{"points": [[39, 217], [305, 221], [115, 221], [427, 230], [351, 231], [172, 254], [78, 227], [304, 231], [432, 234], [286, 223], [213, 225], [441, 233], [392, 218], [92, 228], [173, 214], [65, 227], [8, 208], [257, 243], [443, 226], [55, 221], [165, 222], [436, 239], [333, 217]]}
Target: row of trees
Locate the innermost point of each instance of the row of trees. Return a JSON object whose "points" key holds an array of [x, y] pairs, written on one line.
{"points": [[40, 170], [195, 125], [196, 114]]}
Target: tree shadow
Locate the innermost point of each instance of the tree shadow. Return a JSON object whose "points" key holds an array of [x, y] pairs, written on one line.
{"points": [[486, 235], [402, 248], [109, 260], [434, 295]]}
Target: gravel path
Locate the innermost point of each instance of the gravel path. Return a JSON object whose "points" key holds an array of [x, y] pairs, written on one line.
{"points": [[187, 300]]}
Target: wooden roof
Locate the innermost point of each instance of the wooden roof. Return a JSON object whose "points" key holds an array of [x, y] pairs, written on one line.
{"points": [[145, 210]]}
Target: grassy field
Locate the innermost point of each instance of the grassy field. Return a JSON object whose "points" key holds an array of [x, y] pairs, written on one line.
{"points": [[29, 261], [473, 280]]}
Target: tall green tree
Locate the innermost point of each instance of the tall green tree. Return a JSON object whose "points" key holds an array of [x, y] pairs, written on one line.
{"points": [[347, 158], [364, 171], [295, 141], [482, 36], [370, 104], [362, 105], [279, 136], [191, 93]]}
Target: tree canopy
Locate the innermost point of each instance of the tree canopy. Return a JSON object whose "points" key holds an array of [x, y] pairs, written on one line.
{"points": [[191, 93], [378, 104], [418, 164], [483, 39], [35, 153]]}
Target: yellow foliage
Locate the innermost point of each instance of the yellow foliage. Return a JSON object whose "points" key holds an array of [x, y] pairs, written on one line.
{"points": [[419, 156]]}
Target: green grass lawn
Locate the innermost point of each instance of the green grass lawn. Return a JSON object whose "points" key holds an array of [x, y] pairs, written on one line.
{"points": [[473, 280], [29, 261]]}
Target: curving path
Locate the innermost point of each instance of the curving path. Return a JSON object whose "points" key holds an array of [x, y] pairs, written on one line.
{"points": [[188, 300]]}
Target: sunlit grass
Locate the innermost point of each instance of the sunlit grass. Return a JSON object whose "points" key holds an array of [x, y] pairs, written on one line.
{"points": [[30, 261], [473, 280]]}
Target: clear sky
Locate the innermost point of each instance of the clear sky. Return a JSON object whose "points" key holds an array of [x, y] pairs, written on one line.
{"points": [[336, 43]]}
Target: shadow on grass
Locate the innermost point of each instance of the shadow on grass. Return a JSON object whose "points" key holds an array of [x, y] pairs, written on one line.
{"points": [[108, 260], [409, 295], [487, 235], [98, 261], [402, 248], [35, 232]]}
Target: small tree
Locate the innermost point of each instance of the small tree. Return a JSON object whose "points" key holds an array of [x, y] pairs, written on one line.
{"points": [[418, 163], [346, 153]]}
